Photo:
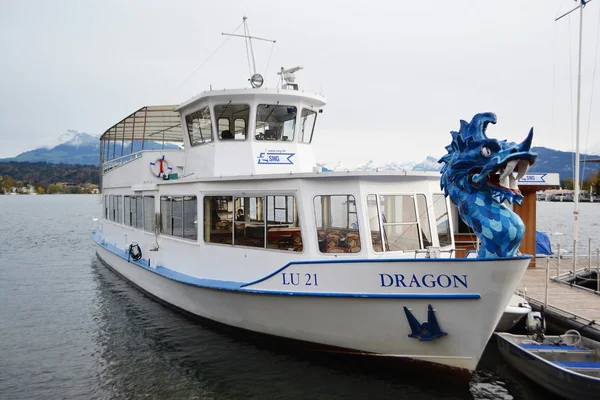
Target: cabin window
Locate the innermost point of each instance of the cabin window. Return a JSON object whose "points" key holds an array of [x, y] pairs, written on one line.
{"points": [[149, 213], [307, 125], [127, 211], [283, 224], [442, 219], [218, 216], [275, 122], [179, 216], [337, 224], [131, 211], [231, 119], [398, 222], [249, 222], [115, 208], [106, 208], [139, 212], [263, 222], [199, 126]]}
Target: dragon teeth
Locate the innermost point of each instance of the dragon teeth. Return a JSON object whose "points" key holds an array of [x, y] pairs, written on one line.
{"points": [[510, 166], [513, 182], [504, 182], [523, 167]]}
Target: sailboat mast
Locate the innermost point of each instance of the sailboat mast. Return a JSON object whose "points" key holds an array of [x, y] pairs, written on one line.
{"points": [[576, 178], [578, 124]]}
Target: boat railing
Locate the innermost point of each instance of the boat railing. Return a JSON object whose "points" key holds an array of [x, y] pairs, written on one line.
{"points": [[115, 162]]}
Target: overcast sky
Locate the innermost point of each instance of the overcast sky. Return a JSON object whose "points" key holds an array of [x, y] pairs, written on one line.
{"points": [[397, 75]]}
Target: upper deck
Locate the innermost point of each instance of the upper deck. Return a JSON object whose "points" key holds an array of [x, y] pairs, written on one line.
{"points": [[221, 133]]}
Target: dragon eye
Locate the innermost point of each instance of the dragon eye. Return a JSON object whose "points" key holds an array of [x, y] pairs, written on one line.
{"points": [[486, 152]]}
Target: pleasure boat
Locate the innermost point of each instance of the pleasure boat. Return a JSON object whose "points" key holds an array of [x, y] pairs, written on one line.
{"points": [[216, 207]]}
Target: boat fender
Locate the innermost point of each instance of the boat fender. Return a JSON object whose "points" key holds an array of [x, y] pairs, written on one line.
{"points": [[160, 167], [135, 253]]}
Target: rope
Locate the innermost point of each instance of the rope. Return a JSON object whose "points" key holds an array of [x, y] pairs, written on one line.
{"points": [[269, 61], [206, 60]]}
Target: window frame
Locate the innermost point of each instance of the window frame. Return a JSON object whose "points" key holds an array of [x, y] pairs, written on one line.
{"points": [[332, 227], [301, 134], [232, 120], [418, 222], [191, 133], [294, 126]]}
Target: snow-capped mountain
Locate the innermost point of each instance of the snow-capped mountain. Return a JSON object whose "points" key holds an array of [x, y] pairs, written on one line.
{"points": [[73, 138], [429, 164], [389, 166]]}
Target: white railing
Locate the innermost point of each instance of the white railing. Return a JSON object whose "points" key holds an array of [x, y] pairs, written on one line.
{"points": [[115, 162]]}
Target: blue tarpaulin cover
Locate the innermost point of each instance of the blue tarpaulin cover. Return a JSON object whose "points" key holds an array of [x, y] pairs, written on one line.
{"points": [[542, 244]]}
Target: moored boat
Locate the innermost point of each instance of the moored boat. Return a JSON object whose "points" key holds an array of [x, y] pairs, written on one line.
{"points": [[567, 365], [235, 223]]}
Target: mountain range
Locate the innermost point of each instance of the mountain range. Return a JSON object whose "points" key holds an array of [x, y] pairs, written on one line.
{"points": [[74, 147], [548, 161]]}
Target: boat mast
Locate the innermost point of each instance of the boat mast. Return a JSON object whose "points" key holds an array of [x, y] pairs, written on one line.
{"points": [[255, 79], [578, 123]]}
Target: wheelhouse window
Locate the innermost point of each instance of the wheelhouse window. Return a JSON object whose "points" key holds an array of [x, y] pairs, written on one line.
{"points": [[232, 120], [275, 122], [307, 125], [398, 222], [337, 224], [258, 221], [442, 220], [179, 216], [199, 126]]}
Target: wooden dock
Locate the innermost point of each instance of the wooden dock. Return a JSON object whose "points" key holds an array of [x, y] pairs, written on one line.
{"points": [[573, 303]]}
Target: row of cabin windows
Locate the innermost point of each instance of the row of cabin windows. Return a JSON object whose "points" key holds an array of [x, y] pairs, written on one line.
{"points": [[263, 221], [274, 122], [134, 211], [396, 222]]}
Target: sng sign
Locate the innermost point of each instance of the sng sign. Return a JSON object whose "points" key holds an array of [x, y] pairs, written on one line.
{"points": [[275, 157], [533, 178]]}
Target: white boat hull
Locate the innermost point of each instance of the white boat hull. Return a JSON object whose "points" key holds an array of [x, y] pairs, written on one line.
{"points": [[515, 311], [364, 322]]}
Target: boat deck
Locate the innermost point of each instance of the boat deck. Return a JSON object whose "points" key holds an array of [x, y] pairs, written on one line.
{"points": [[579, 305]]}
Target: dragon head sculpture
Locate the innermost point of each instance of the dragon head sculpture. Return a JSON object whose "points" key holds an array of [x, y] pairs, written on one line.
{"points": [[479, 174]]}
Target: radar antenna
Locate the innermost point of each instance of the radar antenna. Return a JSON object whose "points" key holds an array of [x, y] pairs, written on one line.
{"points": [[256, 80]]}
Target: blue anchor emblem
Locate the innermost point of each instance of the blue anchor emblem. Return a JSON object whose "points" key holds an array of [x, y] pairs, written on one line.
{"points": [[427, 331]]}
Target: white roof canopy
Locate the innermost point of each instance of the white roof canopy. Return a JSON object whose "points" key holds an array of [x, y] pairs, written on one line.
{"points": [[149, 123]]}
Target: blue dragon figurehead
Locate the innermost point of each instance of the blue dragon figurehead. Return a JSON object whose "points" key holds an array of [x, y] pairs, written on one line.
{"points": [[479, 174]]}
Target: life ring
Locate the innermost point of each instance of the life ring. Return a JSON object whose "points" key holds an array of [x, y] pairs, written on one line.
{"points": [[160, 167]]}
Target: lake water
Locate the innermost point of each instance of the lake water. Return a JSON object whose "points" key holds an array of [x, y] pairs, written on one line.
{"points": [[71, 329]]}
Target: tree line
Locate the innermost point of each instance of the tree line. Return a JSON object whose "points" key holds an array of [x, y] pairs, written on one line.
{"points": [[48, 178], [592, 180]]}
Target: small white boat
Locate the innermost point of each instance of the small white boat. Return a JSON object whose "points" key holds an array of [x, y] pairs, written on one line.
{"points": [[514, 312], [567, 365]]}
